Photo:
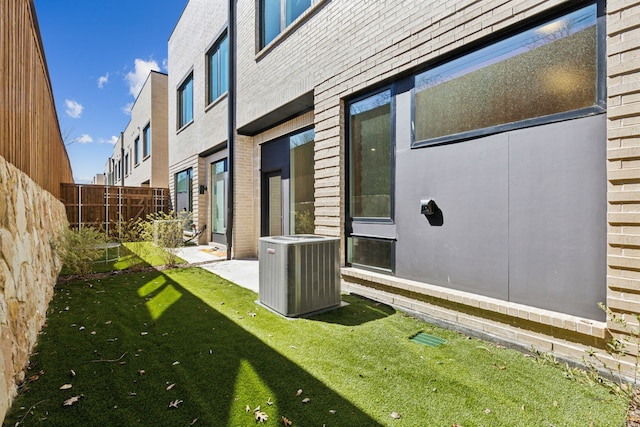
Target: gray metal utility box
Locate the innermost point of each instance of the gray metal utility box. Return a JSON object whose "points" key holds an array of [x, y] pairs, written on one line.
{"points": [[299, 274]]}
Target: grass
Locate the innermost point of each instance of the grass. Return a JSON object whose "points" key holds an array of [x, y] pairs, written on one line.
{"points": [[129, 256], [140, 341]]}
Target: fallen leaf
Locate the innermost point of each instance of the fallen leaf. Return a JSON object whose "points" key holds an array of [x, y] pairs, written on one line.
{"points": [[72, 400], [195, 420], [306, 400], [555, 403], [108, 322], [299, 392], [332, 411], [81, 328], [257, 409], [141, 372], [72, 373], [65, 386], [170, 386], [269, 402], [487, 411], [522, 407], [286, 422], [175, 404], [175, 363], [252, 314], [395, 415], [144, 333], [34, 378], [247, 408], [132, 394], [261, 417]]}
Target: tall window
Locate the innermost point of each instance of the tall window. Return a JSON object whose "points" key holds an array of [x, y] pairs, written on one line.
{"points": [[370, 157], [136, 151], [185, 102], [126, 164], [370, 181], [276, 15], [219, 199], [542, 73], [146, 141], [218, 69], [184, 199], [301, 183]]}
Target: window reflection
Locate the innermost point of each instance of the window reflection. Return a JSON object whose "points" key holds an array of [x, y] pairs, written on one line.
{"points": [[546, 70], [370, 157], [301, 211]]}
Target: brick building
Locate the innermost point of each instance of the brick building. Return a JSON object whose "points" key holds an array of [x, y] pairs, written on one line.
{"points": [[140, 156], [478, 160]]}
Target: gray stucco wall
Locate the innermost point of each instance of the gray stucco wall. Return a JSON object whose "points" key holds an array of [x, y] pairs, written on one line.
{"points": [[523, 214]]}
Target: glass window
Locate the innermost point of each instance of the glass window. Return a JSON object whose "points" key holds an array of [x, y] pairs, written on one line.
{"points": [[136, 151], [373, 253], [185, 102], [370, 157], [546, 70], [218, 69], [146, 139], [301, 186], [126, 164], [276, 15], [184, 199], [219, 173]]}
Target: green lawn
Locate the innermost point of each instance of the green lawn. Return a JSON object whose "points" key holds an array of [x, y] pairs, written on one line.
{"points": [[139, 342]]}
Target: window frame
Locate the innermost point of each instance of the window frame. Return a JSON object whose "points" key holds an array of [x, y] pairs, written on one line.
{"points": [[392, 136], [213, 50], [392, 260], [599, 106], [146, 141], [179, 99], [284, 27], [136, 151], [382, 229]]}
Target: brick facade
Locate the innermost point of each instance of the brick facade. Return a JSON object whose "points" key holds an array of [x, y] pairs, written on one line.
{"points": [[336, 50]]}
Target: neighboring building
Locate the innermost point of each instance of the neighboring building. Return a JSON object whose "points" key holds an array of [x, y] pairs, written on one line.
{"points": [[464, 152], [99, 179], [140, 156], [198, 82]]}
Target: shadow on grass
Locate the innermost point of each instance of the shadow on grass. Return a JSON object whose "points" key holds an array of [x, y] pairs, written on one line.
{"points": [[359, 310], [128, 339]]}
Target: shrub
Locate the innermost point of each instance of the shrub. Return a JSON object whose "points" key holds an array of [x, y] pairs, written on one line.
{"points": [[79, 248]]}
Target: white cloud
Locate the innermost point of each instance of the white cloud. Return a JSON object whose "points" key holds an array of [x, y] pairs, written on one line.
{"points": [[111, 140], [74, 108], [138, 76], [127, 108], [165, 65], [103, 80], [84, 139]]}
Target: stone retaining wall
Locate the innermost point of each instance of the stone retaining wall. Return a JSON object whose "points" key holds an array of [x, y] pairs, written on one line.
{"points": [[30, 219]]}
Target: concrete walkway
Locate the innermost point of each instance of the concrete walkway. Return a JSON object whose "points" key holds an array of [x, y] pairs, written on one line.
{"points": [[242, 272]]}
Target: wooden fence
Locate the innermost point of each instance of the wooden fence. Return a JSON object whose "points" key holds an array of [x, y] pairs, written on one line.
{"points": [[30, 136], [103, 206]]}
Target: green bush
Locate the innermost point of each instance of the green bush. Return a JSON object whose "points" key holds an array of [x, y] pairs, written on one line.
{"points": [[79, 248]]}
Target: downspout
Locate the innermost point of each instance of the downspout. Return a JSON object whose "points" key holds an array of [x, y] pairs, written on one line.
{"points": [[122, 158], [231, 125]]}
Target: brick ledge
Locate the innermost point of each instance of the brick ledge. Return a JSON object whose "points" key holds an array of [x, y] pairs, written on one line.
{"points": [[491, 315]]}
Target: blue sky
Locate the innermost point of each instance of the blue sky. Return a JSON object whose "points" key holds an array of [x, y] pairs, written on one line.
{"points": [[99, 53]]}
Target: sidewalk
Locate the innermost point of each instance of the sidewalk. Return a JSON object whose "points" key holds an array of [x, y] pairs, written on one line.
{"points": [[243, 272]]}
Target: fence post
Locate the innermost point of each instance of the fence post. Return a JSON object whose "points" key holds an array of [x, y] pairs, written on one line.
{"points": [[79, 207]]}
